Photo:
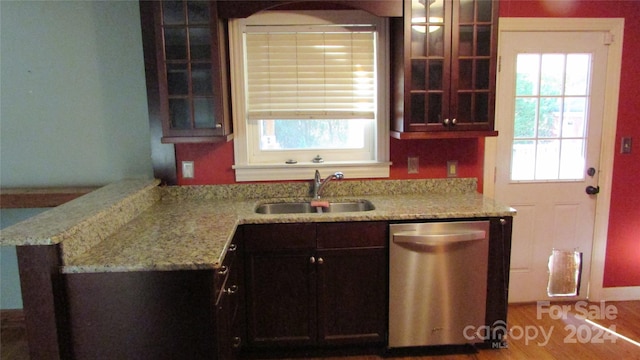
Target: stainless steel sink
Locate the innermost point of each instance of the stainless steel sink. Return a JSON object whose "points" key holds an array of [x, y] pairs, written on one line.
{"points": [[305, 207]]}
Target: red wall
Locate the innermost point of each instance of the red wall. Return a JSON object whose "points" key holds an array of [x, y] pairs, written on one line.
{"points": [[622, 265], [213, 162]]}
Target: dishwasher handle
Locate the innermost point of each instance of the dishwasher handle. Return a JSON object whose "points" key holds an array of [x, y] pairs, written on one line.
{"points": [[415, 238]]}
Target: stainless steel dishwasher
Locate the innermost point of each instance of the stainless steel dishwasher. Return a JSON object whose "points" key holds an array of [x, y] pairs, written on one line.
{"points": [[437, 282]]}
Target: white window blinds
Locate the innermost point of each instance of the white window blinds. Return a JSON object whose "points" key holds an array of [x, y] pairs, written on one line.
{"points": [[323, 74]]}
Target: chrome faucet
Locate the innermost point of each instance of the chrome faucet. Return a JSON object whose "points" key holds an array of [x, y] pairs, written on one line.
{"points": [[318, 184]]}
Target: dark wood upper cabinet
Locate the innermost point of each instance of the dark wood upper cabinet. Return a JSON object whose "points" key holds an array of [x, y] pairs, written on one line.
{"points": [[444, 69], [244, 8], [187, 69]]}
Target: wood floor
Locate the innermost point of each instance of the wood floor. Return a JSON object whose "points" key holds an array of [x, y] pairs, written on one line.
{"points": [[536, 332], [13, 336]]}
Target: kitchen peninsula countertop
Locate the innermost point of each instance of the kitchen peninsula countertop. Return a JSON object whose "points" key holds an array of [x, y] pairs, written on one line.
{"points": [[136, 225]]}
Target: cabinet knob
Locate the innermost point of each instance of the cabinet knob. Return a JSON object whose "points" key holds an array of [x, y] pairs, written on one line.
{"points": [[231, 289], [232, 248], [312, 260], [454, 121], [218, 125], [224, 269], [445, 122], [320, 261], [236, 342]]}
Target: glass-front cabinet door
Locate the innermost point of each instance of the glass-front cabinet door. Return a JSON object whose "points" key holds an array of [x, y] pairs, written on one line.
{"points": [[429, 53], [473, 64], [449, 66], [190, 71]]}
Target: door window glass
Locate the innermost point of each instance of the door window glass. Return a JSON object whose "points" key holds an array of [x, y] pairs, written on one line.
{"points": [[551, 114]]}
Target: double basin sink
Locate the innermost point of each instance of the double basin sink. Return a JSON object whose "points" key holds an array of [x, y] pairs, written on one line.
{"points": [[304, 207]]}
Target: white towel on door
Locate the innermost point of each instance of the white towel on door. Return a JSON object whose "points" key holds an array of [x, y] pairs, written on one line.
{"points": [[565, 267]]}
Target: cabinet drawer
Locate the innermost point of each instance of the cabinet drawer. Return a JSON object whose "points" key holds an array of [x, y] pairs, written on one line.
{"points": [[279, 236], [228, 270], [351, 234]]}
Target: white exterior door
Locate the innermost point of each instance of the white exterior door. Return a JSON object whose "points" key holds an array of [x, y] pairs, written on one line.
{"points": [[550, 102]]}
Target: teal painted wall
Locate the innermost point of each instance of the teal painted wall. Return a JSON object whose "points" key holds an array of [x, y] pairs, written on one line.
{"points": [[10, 297], [73, 93], [73, 107]]}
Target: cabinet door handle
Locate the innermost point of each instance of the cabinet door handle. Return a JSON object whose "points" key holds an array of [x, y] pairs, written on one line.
{"points": [[236, 342], [224, 269], [320, 261], [231, 289], [312, 260]]}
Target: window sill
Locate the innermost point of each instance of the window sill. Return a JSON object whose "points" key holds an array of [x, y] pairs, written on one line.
{"points": [[305, 171]]}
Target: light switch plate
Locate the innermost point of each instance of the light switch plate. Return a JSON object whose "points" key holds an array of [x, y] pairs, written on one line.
{"points": [[187, 170]]}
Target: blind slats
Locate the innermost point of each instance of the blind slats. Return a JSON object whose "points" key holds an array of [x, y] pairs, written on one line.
{"points": [[310, 75]]}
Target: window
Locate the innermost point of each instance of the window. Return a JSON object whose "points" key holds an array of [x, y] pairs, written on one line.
{"points": [[309, 94], [551, 112]]}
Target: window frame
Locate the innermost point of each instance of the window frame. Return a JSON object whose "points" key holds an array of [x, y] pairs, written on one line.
{"points": [[246, 170]]}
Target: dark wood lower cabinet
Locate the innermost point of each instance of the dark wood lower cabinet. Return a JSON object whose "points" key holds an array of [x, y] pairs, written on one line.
{"points": [[280, 283], [352, 306], [281, 293], [317, 285], [141, 315], [229, 315], [189, 314], [281, 287], [43, 301], [229, 326], [498, 279]]}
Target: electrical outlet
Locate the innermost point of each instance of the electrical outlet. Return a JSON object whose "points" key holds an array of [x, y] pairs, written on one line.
{"points": [[452, 168], [412, 164], [625, 147], [187, 170]]}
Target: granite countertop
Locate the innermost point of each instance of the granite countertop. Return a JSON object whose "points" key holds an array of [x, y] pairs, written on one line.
{"points": [[84, 214], [186, 228]]}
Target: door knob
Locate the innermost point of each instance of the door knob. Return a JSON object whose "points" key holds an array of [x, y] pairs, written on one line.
{"points": [[591, 190]]}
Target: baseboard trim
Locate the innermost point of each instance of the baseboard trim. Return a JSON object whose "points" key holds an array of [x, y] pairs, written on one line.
{"points": [[11, 318], [625, 293]]}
